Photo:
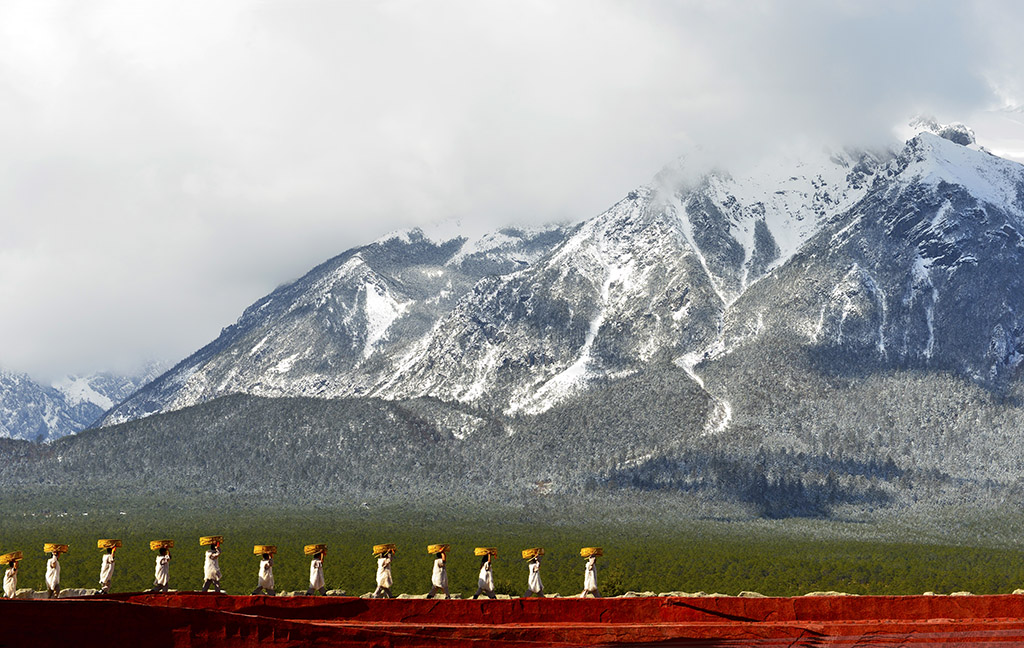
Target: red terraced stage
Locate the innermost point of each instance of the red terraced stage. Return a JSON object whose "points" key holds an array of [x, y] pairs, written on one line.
{"points": [[216, 620]]}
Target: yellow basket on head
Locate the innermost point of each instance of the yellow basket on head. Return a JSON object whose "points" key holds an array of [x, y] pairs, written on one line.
{"points": [[314, 549], [259, 550], [486, 551], [438, 548], [587, 552], [53, 547], [13, 556], [157, 545], [108, 544], [206, 541], [383, 548], [530, 554]]}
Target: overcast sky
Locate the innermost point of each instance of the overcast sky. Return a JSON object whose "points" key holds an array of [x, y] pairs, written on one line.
{"points": [[165, 164]]}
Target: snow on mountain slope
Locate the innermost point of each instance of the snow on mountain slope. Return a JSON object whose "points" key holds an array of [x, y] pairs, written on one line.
{"points": [[850, 247], [746, 222], [624, 288], [926, 271], [105, 389], [649, 278], [29, 410], [77, 389], [336, 331], [934, 161]]}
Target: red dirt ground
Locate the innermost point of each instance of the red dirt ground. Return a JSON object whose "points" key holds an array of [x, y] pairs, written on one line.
{"points": [[189, 620]]}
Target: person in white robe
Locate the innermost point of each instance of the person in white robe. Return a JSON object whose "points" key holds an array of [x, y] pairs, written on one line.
{"points": [[162, 570], [107, 570], [211, 569], [534, 586], [265, 578], [485, 581], [439, 577], [590, 579], [11, 580], [53, 575], [384, 581], [316, 575]]}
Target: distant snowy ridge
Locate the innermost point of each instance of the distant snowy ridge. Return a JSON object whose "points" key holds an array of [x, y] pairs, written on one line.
{"points": [[77, 390], [37, 412]]}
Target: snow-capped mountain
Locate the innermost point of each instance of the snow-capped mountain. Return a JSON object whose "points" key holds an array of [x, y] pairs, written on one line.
{"points": [[810, 330], [813, 266], [38, 412], [340, 329], [517, 321], [924, 271]]}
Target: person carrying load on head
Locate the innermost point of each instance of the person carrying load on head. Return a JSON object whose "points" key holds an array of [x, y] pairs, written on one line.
{"points": [[316, 569], [211, 563], [53, 568], [53, 575], [107, 564], [439, 576], [162, 568], [534, 586], [107, 570], [11, 575], [590, 571], [384, 580], [265, 577], [485, 580]]}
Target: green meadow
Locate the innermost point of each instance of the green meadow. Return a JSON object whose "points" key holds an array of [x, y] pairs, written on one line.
{"points": [[647, 548]]}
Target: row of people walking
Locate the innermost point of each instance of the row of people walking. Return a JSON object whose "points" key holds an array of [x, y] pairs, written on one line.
{"points": [[265, 574]]}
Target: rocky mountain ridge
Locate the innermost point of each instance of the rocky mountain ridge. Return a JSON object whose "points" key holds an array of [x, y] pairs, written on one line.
{"points": [[518, 321], [37, 412]]}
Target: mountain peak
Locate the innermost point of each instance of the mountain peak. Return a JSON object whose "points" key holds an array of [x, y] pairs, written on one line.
{"points": [[935, 160], [955, 132]]}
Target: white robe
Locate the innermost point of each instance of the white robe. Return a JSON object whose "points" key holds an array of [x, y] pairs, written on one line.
{"points": [[266, 577], [486, 579], [534, 583], [590, 575], [52, 573], [107, 569], [10, 582], [439, 578], [316, 574], [384, 572], [211, 567], [162, 573]]}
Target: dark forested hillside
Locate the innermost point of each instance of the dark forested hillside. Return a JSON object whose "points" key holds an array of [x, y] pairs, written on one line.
{"points": [[834, 442]]}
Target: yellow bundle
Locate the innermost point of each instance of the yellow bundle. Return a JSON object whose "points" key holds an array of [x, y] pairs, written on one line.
{"points": [[383, 548], [51, 547], [157, 545], [485, 551], [108, 544], [438, 548], [587, 552], [206, 541], [259, 550], [313, 549], [530, 554], [7, 558]]}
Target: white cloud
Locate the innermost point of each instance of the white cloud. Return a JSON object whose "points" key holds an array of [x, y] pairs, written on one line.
{"points": [[166, 163]]}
